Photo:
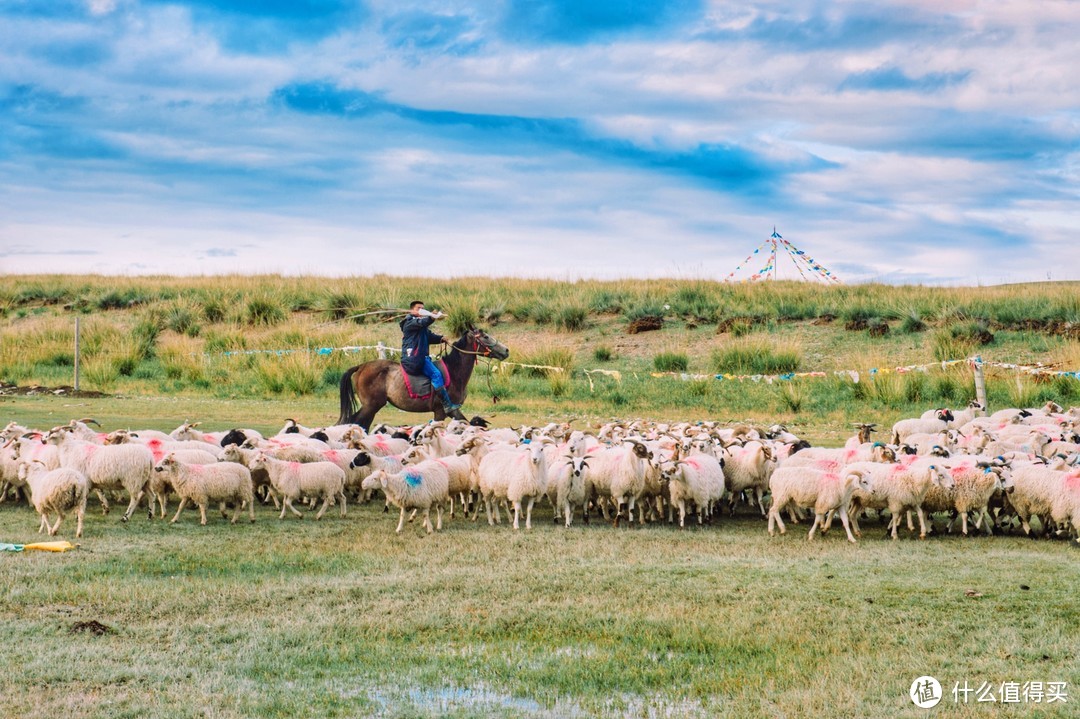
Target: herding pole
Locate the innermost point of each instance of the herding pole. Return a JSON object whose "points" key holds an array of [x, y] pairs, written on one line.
{"points": [[980, 384], [76, 354]]}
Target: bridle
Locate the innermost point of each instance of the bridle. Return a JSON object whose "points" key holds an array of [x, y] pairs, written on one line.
{"points": [[480, 348]]}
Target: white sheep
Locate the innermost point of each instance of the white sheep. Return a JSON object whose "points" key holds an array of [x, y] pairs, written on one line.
{"points": [[204, 483], [897, 487], [1035, 489], [420, 486], [808, 488], [747, 468], [1066, 506], [161, 482], [569, 487], [293, 480], [56, 490], [618, 473], [459, 468], [974, 483], [108, 467], [698, 477], [518, 476], [918, 425]]}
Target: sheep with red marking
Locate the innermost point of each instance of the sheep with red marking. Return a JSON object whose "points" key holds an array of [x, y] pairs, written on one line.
{"points": [[898, 487], [293, 480], [108, 467], [975, 481], [698, 477], [808, 488], [202, 484]]}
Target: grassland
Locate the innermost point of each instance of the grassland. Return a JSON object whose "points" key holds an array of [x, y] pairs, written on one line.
{"points": [[341, 618]]}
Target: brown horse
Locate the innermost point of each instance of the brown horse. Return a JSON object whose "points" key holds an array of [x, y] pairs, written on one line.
{"points": [[377, 382]]}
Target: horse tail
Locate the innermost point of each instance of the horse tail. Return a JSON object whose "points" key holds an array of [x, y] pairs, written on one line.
{"points": [[348, 397]]}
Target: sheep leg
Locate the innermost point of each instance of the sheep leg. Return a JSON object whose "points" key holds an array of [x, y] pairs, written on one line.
{"points": [[427, 519], [202, 513], [183, 503], [132, 505], [163, 502], [80, 511], [854, 517], [517, 513], [758, 494], [846, 521], [401, 521], [964, 523], [342, 498], [438, 517], [236, 514], [630, 509], [104, 502], [42, 524], [819, 520], [774, 513], [682, 514], [922, 521], [413, 515], [222, 509], [56, 527], [491, 517], [828, 521], [528, 513], [286, 503], [910, 524], [322, 509]]}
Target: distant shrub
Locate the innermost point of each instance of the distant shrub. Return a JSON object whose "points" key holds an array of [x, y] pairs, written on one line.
{"points": [[603, 353], [756, 357], [791, 397], [571, 319], [461, 318], [671, 362], [214, 309], [553, 357], [339, 305], [263, 311], [183, 320], [542, 313]]}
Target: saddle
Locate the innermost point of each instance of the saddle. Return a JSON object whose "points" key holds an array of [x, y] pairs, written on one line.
{"points": [[419, 386]]}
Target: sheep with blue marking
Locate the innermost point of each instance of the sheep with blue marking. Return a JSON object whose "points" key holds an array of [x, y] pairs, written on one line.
{"points": [[420, 487]]}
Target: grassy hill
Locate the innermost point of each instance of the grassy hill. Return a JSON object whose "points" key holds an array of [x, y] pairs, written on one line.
{"points": [[244, 338]]}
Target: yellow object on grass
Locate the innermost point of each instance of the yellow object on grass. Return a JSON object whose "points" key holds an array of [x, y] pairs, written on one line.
{"points": [[51, 546]]}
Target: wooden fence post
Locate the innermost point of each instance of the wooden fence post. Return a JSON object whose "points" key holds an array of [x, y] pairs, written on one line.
{"points": [[980, 384], [76, 353]]}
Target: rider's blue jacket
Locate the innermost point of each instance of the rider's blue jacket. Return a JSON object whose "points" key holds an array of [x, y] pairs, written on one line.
{"points": [[416, 339]]}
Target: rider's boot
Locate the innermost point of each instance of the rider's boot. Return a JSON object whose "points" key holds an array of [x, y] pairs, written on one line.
{"points": [[451, 409]]}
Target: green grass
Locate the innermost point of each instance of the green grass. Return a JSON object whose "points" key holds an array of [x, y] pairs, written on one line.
{"points": [[343, 619]]}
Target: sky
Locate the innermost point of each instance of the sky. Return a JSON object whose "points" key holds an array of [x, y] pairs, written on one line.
{"points": [[900, 142]]}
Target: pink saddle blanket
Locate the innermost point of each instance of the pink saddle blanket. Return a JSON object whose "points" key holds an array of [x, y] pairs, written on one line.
{"points": [[419, 386]]}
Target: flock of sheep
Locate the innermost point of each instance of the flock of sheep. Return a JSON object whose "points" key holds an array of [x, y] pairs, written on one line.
{"points": [[997, 471]]}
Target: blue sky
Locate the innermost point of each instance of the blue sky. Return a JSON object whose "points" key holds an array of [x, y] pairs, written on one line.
{"points": [[904, 142]]}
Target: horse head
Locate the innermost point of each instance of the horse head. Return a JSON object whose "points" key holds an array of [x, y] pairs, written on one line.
{"points": [[483, 344]]}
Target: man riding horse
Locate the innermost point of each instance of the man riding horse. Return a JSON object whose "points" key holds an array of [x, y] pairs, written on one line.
{"points": [[416, 338]]}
